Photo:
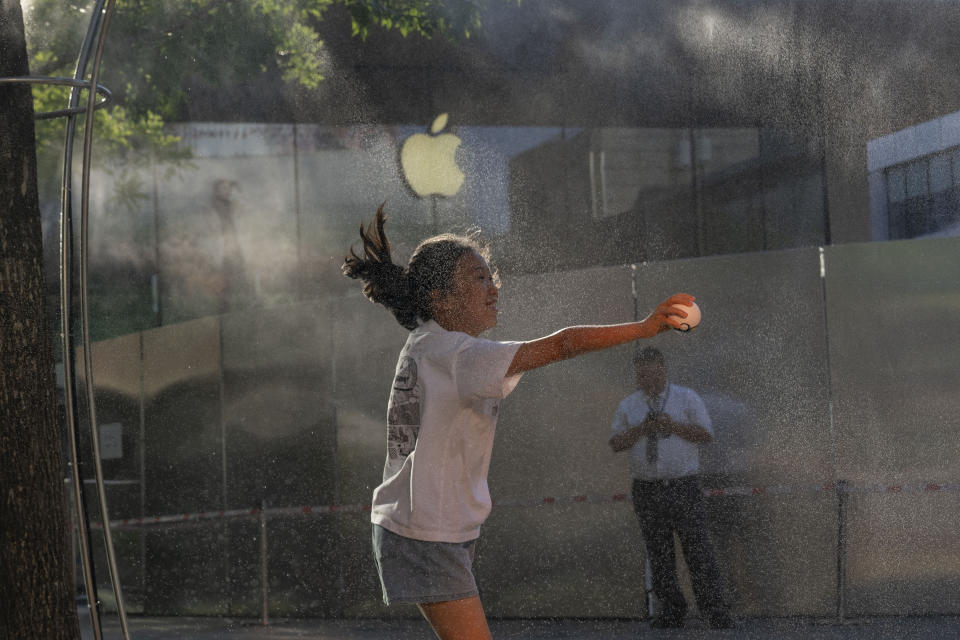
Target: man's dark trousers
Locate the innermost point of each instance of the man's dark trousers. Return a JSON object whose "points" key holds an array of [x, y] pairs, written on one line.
{"points": [[667, 506]]}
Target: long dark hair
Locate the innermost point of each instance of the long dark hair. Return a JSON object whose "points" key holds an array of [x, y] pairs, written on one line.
{"points": [[407, 292]]}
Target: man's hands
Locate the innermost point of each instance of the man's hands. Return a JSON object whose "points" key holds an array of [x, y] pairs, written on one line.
{"points": [[659, 424], [662, 425], [655, 423]]}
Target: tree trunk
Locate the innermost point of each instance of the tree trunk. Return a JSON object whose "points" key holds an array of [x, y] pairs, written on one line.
{"points": [[36, 590]]}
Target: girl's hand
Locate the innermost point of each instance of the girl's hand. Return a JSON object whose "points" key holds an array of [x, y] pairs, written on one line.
{"points": [[666, 316]]}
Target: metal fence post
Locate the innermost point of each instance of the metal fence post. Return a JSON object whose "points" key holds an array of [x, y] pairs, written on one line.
{"points": [[264, 588], [649, 596], [841, 489]]}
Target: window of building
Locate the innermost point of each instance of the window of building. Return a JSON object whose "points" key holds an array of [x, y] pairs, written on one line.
{"points": [[923, 196]]}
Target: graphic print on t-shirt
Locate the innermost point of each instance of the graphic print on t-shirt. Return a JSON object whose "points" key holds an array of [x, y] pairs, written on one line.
{"points": [[403, 410]]}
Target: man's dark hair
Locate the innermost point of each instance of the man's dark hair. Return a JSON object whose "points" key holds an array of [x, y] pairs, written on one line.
{"points": [[648, 355]]}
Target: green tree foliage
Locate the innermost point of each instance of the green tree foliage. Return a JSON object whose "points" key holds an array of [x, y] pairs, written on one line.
{"points": [[157, 49]]}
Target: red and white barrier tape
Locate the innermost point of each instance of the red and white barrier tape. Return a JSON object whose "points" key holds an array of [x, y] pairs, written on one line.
{"points": [[758, 490]]}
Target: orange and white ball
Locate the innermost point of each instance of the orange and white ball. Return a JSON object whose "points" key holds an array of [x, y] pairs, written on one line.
{"points": [[692, 319]]}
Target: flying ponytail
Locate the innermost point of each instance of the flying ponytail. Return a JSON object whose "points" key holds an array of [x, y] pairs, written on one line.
{"points": [[385, 283], [407, 292]]}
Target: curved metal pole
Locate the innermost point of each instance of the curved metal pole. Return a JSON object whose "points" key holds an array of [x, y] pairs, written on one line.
{"points": [[85, 321], [68, 82], [66, 255]]}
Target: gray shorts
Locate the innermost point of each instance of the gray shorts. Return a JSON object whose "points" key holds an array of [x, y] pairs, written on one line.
{"points": [[415, 571]]}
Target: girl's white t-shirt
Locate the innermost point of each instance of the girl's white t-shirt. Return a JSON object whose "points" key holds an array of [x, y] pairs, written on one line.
{"points": [[441, 419]]}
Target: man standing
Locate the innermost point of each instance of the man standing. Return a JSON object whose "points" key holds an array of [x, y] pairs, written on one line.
{"points": [[663, 425]]}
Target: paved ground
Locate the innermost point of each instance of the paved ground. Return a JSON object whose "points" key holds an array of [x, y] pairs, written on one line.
{"points": [[899, 628]]}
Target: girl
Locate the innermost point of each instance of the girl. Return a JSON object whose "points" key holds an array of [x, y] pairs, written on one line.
{"points": [[442, 411]]}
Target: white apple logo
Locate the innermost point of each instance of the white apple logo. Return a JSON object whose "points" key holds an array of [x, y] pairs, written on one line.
{"points": [[429, 161]]}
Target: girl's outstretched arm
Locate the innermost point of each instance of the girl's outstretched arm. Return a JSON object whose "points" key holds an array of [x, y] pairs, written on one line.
{"points": [[574, 341]]}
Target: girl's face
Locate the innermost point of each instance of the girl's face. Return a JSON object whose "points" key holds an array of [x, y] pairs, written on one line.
{"points": [[470, 305]]}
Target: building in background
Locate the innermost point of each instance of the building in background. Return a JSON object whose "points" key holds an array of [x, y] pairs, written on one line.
{"points": [[915, 181]]}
